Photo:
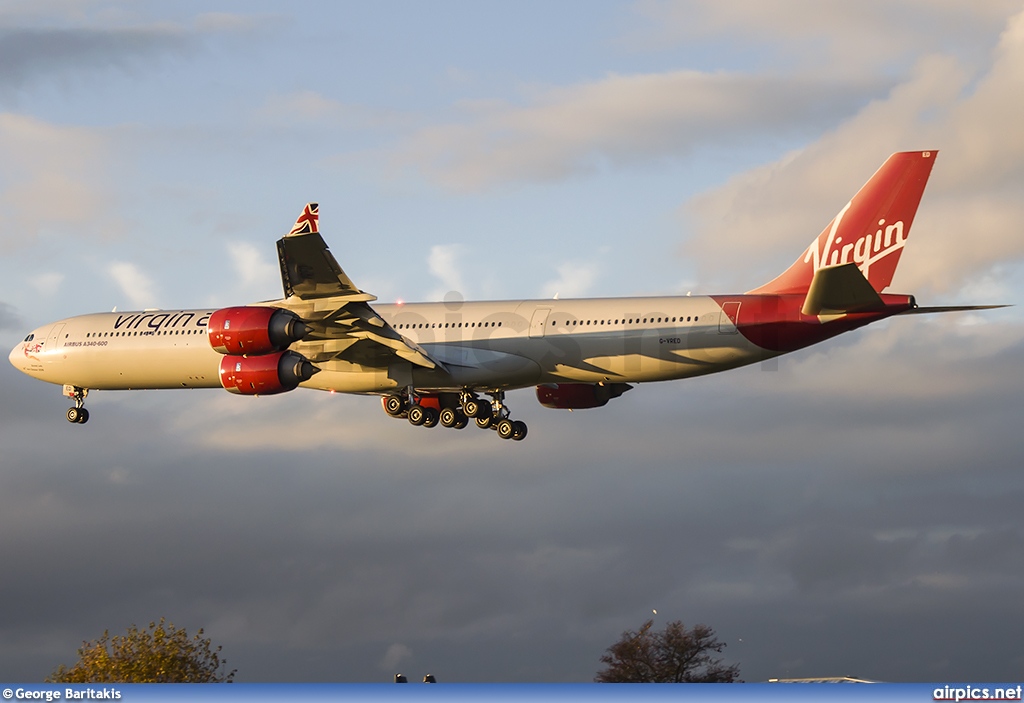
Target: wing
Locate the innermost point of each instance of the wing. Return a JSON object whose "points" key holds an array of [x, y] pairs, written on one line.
{"points": [[337, 311]]}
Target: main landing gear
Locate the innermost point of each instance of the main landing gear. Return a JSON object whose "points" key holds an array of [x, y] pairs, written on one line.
{"points": [[499, 419], [78, 414], [456, 410]]}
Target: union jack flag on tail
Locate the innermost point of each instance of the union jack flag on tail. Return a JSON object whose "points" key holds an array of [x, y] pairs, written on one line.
{"points": [[308, 221]]}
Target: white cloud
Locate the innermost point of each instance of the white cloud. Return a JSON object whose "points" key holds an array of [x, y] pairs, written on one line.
{"points": [[443, 263], [621, 119], [53, 178], [575, 279], [970, 216], [47, 283], [253, 270], [839, 37], [138, 287], [312, 107]]}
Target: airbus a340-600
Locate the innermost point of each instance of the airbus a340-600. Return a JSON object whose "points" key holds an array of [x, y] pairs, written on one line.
{"points": [[434, 363]]}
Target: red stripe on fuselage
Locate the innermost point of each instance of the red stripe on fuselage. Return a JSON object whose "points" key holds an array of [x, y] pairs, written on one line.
{"points": [[776, 323]]}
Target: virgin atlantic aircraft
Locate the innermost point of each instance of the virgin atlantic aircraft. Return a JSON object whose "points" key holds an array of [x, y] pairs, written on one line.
{"points": [[431, 363]]}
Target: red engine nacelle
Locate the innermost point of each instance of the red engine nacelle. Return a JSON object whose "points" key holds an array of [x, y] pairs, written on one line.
{"points": [[266, 374], [578, 396], [254, 330]]}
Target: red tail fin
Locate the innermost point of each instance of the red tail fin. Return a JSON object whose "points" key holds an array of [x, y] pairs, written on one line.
{"points": [[870, 231]]}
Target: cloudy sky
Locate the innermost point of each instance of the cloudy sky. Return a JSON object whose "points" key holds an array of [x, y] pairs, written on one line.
{"points": [[854, 509]]}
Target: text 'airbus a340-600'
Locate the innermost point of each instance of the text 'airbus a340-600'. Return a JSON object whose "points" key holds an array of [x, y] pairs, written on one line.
{"points": [[440, 363]]}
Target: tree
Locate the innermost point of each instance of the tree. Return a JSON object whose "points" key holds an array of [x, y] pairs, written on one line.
{"points": [[159, 654], [674, 655]]}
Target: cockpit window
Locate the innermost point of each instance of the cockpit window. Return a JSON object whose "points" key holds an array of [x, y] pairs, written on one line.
{"points": [[30, 338]]}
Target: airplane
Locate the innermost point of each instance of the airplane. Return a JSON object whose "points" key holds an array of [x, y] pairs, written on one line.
{"points": [[431, 363]]}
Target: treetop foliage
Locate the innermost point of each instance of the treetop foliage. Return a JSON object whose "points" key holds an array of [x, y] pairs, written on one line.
{"points": [[673, 655], [161, 653]]}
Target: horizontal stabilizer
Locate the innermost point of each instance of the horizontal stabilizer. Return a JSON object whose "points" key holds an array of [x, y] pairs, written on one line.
{"points": [[950, 308], [840, 289]]}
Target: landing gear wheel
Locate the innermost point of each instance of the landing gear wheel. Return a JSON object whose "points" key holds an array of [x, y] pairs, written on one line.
{"points": [[461, 421], [471, 407], [431, 418], [485, 409], [506, 429], [449, 416], [394, 405], [417, 414], [518, 430], [78, 414], [485, 422]]}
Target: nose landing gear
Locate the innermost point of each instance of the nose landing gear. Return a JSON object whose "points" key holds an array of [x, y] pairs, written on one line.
{"points": [[78, 414]]}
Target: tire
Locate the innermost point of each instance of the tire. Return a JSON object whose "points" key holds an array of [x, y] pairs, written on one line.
{"points": [[461, 422], [449, 417], [83, 416], [505, 428], [471, 407], [485, 408], [518, 430], [394, 405], [417, 414], [432, 417], [73, 415], [484, 422]]}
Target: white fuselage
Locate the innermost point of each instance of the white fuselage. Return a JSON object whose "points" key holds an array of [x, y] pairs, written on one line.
{"points": [[499, 345]]}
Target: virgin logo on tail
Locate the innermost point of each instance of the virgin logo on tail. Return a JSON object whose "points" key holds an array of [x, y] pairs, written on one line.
{"points": [[864, 251]]}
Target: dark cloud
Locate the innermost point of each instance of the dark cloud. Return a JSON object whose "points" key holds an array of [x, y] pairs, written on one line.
{"points": [[29, 53], [9, 318], [818, 528]]}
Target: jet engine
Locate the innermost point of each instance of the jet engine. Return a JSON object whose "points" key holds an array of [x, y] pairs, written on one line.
{"points": [[266, 374], [254, 330], [578, 396]]}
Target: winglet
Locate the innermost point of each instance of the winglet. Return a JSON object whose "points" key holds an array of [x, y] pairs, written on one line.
{"points": [[308, 222]]}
